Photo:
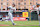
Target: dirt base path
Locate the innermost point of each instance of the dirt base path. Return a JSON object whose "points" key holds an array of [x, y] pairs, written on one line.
{"points": [[4, 25], [19, 25]]}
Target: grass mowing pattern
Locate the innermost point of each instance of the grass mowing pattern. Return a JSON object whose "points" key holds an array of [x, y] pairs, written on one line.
{"points": [[20, 23]]}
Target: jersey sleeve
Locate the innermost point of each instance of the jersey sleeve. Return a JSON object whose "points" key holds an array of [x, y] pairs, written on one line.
{"points": [[15, 8], [9, 7]]}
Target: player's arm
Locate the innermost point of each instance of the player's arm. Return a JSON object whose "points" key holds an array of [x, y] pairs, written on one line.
{"points": [[9, 7], [14, 9]]}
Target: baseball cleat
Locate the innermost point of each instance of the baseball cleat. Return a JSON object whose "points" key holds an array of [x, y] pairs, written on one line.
{"points": [[14, 24]]}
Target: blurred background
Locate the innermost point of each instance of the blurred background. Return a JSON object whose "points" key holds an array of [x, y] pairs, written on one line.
{"points": [[27, 13], [22, 8]]}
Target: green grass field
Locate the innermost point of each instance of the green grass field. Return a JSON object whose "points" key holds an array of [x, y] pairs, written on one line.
{"points": [[20, 23]]}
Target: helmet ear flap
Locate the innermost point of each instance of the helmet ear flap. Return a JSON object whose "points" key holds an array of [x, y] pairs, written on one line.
{"points": [[37, 5]]}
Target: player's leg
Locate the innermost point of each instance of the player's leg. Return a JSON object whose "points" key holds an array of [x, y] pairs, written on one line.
{"points": [[38, 12], [11, 17]]}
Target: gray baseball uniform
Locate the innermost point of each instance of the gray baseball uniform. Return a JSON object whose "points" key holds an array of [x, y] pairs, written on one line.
{"points": [[10, 12]]}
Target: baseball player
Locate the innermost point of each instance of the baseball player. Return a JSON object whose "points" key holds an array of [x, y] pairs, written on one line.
{"points": [[11, 9]]}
